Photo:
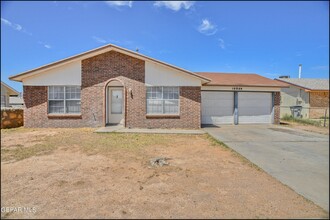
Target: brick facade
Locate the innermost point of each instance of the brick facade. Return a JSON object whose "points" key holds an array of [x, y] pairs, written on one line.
{"points": [[277, 108], [36, 110], [98, 70], [96, 73], [190, 108], [319, 103]]}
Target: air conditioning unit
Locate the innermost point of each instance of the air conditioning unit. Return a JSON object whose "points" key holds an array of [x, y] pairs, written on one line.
{"points": [[296, 111]]}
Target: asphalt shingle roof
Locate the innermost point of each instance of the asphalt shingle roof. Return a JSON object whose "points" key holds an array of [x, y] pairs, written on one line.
{"points": [[311, 84], [240, 79]]}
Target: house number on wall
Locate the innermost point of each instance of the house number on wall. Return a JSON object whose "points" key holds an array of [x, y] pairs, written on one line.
{"points": [[236, 88]]}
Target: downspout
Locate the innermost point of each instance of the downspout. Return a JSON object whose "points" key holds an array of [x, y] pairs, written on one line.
{"points": [[125, 108], [273, 108], [236, 108]]}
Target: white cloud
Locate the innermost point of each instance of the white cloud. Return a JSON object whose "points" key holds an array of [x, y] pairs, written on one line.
{"points": [[99, 40], [16, 27], [114, 41], [207, 28], [175, 5], [45, 45], [121, 42], [222, 43], [19, 28], [6, 22], [117, 4]]}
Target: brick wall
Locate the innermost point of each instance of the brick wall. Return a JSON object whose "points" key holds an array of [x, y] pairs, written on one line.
{"points": [[36, 110], [319, 99], [319, 103], [277, 108], [190, 104], [96, 73]]}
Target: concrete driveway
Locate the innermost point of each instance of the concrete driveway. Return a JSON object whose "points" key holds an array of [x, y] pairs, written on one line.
{"points": [[297, 158]]}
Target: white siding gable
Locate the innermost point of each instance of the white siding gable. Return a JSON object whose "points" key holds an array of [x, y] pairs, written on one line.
{"points": [[68, 74], [158, 75]]}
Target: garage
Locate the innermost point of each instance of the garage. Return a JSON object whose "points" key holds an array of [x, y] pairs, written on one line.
{"points": [[217, 107], [254, 107], [233, 98]]}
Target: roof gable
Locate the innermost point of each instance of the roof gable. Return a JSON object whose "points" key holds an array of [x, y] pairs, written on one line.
{"points": [[305, 83], [13, 91], [96, 52]]}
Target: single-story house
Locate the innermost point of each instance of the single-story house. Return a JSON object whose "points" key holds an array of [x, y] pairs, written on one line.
{"points": [[16, 102], [113, 85], [6, 92], [309, 96]]}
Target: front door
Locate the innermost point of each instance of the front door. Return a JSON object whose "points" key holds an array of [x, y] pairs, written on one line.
{"points": [[116, 106]]}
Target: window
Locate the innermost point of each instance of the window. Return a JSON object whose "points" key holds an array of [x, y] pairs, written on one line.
{"points": [[64, 99], [163, 100]]}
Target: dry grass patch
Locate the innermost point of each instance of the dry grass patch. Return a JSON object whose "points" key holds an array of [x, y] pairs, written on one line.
{"points": [[25, 143], [76, 173], [19, 152]]}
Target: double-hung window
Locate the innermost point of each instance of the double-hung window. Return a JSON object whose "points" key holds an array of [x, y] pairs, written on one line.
{"points": [[163, 100], [64, 99]]}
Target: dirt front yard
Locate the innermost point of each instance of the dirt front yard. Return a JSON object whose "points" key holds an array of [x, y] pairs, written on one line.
{"points": [[75, 173]]}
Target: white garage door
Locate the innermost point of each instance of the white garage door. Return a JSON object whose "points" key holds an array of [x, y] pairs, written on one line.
{"points": [[254, 107], [217, 107]]}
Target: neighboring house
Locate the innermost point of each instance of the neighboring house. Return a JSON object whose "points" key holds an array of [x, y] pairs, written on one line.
{"points": [[311, 94], [16, 102], [6, 92], [111, 85]]}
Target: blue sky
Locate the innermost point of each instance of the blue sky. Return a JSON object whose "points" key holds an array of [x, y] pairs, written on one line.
{"points": [[268, 38]]}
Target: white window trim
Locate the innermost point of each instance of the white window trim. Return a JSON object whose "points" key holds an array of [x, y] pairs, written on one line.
{"points": [[163, 114], [64, 113]]}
